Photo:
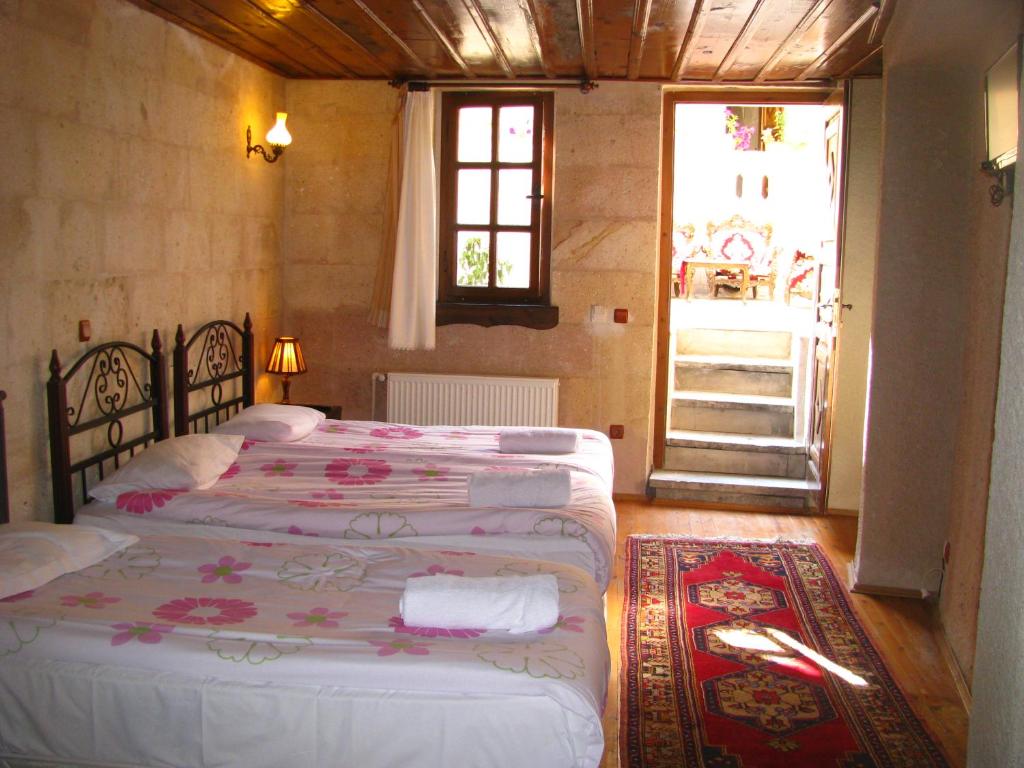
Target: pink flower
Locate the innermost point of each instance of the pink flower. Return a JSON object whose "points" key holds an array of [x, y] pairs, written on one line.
{"points": [[231, 471], [396, 433], [432, 472], [278, 468], [435, 569], [478, 531], [226, 568], [568, 623], [150, 634], [20, 596], [391, 647], [206, 610], [90, 600], [247, 444], [295, 531], [396, 623], [141, 502], [317, 617], [357, 471]]}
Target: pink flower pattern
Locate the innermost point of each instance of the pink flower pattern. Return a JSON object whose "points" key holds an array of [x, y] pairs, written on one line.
{"points": [[357, 471], [226, 568], [95, 600], [295, 531], [396, 623], [231, 471], [434, 570], [396, 433], [391, 647], [568, 623], [278, 468], [206, 610], [432, 472], [19, 596], [150, 634], [247, 444], [141, 502], [317, 617]]}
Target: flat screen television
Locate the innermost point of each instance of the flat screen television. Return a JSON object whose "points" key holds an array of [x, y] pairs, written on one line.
{"points": [[1002, 86]]}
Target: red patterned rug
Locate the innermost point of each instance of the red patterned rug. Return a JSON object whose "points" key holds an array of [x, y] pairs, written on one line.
{"points": [[748, 655]]}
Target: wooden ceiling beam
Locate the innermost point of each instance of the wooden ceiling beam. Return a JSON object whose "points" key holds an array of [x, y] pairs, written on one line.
{"points": [[881, 19], [480, 19], [851, 71], [588, 52], [812, 15], [638, 37], [163, 13], [749, 28], [442, 38], [336, 29], [698, 19], [839, 42], [409, 52], [538, 34], [298, 37]]}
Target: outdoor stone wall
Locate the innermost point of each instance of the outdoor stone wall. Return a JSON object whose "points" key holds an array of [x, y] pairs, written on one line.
{"points": [[126, 197], [604, 253]]}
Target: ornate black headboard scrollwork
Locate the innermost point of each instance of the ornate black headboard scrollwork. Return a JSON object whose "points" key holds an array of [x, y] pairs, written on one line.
{"points": [[216, 367], [118, 394]]}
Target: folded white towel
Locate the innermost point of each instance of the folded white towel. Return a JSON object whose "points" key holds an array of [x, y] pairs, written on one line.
{"points": [[538, 440], [520, 488], [516, 603]]}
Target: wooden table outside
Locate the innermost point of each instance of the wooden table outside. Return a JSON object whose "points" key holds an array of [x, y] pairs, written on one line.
{"points": [[744, 270]]}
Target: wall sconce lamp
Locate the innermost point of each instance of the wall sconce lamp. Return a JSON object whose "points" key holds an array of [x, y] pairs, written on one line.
{"points": [[277, 137], [286, 359]]}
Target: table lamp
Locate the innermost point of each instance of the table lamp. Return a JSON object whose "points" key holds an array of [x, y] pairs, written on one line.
{"points": [[286, 359]]}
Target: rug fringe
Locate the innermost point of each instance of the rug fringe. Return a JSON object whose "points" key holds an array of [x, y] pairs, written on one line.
{"points": [[780, 539]]}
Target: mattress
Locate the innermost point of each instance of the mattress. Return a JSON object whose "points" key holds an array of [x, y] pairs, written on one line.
{"points": [[271, 650], [361, 481]]}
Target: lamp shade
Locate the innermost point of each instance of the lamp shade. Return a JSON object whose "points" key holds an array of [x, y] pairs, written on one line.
{"points": [[286, 357], [278, 136]]}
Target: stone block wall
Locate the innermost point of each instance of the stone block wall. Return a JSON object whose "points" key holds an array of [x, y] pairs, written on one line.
{"points": [[604, 252], [126, 198]]}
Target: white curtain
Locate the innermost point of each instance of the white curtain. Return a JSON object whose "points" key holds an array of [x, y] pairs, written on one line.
{"points": [[414, 286]]}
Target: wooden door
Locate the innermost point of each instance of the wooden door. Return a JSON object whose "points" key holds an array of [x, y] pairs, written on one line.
{"points": [[827, 302]]}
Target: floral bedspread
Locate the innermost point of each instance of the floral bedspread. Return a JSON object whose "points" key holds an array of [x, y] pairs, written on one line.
{"points": [[349, 483], [310, 613]]}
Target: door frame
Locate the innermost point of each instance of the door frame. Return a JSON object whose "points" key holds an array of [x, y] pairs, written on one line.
{"points": [[704, 95]]}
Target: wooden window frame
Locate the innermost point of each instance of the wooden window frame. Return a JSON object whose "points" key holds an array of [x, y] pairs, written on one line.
{"points": [[491, 305]]}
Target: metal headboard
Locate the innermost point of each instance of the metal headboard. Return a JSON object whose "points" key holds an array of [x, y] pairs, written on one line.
{"points": [[224, 354], [5, 510], [121, 380]]}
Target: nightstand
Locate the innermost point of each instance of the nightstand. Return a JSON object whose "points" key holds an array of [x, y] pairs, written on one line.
{"points": [[330, 411]]}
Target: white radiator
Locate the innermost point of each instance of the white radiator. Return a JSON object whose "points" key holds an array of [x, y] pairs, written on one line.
{"points": [[426, 399]]}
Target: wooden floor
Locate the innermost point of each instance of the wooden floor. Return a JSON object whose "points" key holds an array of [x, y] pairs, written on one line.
{"points": [[902, 629]]}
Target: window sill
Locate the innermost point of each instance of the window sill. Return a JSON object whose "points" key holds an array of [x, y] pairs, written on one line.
{"points": [[538, 317]]}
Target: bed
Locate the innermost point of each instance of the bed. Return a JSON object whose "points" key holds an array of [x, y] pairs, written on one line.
{"points": [[365, 480], [307, 645]]}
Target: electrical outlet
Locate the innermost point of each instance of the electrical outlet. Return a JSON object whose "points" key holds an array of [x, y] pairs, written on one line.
{"points": [[84, 330], [621, 315], [616, 431]]}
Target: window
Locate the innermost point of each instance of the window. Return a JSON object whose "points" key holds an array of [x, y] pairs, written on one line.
{"points": [[495, 228]]}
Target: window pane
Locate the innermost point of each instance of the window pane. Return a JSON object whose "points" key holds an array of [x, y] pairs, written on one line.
{"points": [[515, 134], [474, 197], [514, 204], [474, 253], [513, 259], [474, 134]]}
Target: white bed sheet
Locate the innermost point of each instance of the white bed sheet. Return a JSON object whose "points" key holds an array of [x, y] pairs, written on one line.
{"points": [[71, 698]]}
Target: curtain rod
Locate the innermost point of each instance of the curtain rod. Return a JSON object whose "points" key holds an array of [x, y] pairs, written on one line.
{"points": [[586, 85]]}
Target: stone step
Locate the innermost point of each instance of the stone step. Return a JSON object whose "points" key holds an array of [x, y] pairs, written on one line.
{"points": [[735, 375], [721, 488], [735, 454], [776, 345], [737, 414]]}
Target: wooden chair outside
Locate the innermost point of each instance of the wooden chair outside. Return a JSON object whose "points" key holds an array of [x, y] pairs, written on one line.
{"points": [[739, 241]]}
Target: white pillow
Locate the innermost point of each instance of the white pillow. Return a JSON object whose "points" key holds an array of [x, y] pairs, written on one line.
{"points": [[32, 554], [274, 423], [190, 462]]}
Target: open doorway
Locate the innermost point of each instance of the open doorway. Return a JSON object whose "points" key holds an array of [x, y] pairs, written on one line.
{"points": [[750, 217]]}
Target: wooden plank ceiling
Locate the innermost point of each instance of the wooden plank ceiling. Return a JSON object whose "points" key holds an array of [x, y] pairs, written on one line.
{"points": [[707, 41]]}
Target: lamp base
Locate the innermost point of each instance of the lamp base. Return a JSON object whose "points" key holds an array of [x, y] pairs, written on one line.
{"points": [[285, 384]]}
